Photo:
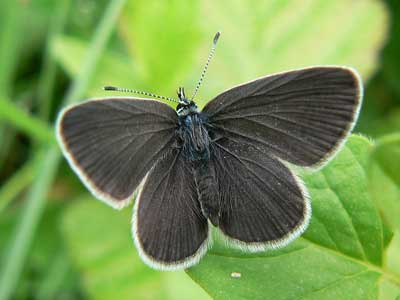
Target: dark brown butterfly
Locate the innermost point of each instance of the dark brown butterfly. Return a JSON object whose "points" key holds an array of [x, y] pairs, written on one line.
{"points": [[226, 165]]}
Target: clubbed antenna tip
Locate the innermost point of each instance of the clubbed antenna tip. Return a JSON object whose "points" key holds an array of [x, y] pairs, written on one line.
{"points": [[216, 37], [110, 88]]}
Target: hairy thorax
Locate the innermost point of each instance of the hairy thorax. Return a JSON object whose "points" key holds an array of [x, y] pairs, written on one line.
{"points": [[194, 137]]}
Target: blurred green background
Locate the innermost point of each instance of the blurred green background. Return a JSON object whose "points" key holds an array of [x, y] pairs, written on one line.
{"points": [[56, 241]]}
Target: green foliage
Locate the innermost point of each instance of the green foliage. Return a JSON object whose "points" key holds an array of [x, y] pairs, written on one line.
{"points": [[384, 178], [19, 246], [102, 247], [272, 45], [39, 279], [82, 249], [387, 155], [339, 257], [272, 36], [384, 186], [21, 120]]}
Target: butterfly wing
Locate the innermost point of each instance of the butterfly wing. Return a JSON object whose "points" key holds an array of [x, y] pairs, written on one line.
{"points": [[112, 143], [168, 226], [300, 116], [263, 204]]}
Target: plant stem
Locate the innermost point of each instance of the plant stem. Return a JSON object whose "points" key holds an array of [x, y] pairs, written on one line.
{"points": [[31, 215], [49, 68]]}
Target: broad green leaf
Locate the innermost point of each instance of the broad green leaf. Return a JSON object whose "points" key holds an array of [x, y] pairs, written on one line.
{"points": [[100, 243], [393, 254], [389, 290], [339, 257], [341, 201], [384, 186], [386, 154]]}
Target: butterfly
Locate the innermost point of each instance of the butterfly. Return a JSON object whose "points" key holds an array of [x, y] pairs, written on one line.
{"points": [[226, 166]]}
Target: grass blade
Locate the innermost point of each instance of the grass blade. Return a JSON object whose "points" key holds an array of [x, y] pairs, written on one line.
{"points": [[25, 231], [9, 44], [10, 40], [20, 180], [49, 68], [33, 127]]}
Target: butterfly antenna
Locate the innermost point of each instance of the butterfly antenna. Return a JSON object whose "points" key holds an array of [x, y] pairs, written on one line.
{"points": [[210, 55], [118, 89]]}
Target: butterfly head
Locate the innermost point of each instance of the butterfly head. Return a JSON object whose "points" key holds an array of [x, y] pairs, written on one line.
{"points": [[185, 106]]}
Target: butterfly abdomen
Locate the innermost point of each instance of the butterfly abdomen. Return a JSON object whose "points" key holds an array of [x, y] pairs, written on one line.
{"points": [[207, 190]]}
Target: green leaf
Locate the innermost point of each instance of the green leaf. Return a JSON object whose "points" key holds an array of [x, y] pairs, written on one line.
{"points": [[384, 186], [341, 200], [386, 154], [393, 254], [385, 124], [339, 257], [389, 291], [100, 242]]}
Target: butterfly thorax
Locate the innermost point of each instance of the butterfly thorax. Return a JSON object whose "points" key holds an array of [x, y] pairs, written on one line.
{"points": [[193, 137]]}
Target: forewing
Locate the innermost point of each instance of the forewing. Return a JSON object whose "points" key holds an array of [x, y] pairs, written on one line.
{"points": [[301, 116], [112, 143], [169, 229], [262, 203]]}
